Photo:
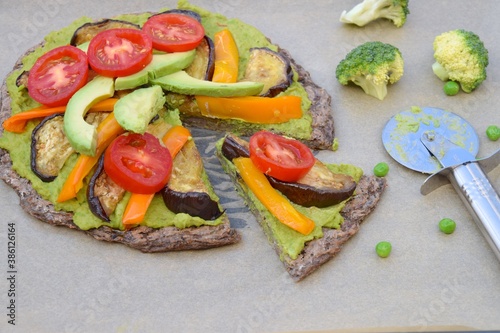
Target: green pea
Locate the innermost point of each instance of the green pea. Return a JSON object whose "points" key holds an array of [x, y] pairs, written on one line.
{"points": [[493, 132], [381, 169], [383, 249], [451, 88], [447, 225]]}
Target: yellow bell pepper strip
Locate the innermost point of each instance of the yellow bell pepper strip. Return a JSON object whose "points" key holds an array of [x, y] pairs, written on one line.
{"points": [[17, 123], [252, 109], [138, 204], [276, 203], [107, 131], [226, 57]]}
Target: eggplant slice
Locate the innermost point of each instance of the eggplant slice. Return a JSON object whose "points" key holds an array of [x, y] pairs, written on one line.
{"points": [[270, 68], [233, 147], [103, 194], [49, 147], [22, 80], [187, 12], [320, 187], [203, 64], [186, 192], [87, 31]]}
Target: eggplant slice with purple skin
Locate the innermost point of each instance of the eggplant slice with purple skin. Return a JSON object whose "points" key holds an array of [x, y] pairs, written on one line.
{"points": [[234, 147], [22, 80], [87, 31], [203, 64], [103, 194], [186, 192], [269, 68], [320, 187], [49, 147], [187, 12]]}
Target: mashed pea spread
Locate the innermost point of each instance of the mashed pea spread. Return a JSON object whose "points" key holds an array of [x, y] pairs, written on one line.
{"points": [[158, 215]]}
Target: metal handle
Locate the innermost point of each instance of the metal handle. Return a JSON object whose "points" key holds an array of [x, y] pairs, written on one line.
{"points": [[481, 199]]}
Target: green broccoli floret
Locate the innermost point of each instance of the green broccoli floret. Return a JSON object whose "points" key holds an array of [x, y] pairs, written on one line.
{"points": [[371, 66], [460, 56], [370, 10]]}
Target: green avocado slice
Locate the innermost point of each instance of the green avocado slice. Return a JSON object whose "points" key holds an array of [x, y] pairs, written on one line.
{"points": [[161, 65], [134, 111], [182, 83], [82, 135]]}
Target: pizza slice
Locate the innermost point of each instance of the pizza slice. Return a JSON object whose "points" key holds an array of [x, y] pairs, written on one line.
{"points": [[306, 216]]}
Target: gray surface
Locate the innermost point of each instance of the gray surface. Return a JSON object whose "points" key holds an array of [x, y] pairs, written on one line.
{"points": [[68, 282]]}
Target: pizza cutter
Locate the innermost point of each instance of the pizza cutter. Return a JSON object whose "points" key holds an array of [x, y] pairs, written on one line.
{"points": [[441, 143]]}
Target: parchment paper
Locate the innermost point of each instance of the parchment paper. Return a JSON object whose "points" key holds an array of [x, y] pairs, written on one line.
{"points": [[68, 282]]}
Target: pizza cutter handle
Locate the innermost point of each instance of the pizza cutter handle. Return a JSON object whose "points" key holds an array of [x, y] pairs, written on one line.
{"points": [[481, 199]]}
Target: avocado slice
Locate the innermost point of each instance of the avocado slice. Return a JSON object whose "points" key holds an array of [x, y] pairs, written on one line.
{"points": [[134, 111], [182, 83], [82, 135], [162, 64], [84, 46]]}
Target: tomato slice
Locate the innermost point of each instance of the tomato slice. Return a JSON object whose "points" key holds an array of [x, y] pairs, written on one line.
{"points": [[120, 52], [279, 157], [174, 32], [57, 75], [138, 163]]}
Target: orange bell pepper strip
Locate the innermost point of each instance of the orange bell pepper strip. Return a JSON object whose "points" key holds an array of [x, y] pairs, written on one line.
{"points": [[227, 57], [138, 204], [252, 109], [107, 131], [275, 202], [17, 123]]}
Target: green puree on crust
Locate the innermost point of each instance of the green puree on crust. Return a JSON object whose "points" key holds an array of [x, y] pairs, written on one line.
{"points": [[158, 215]]}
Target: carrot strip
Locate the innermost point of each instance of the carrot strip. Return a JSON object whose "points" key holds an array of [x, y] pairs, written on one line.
{"points": [[252, 109], [17, 123], [136, 209], [276, 203], [226, 57], [137, 206], [107, 131]]}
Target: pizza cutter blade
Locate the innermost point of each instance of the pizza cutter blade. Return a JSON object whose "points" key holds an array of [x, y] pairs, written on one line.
{"points": [[439, 142]]}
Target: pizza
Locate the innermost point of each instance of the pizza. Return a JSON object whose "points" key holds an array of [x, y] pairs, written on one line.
{"points": [[106, 148]]}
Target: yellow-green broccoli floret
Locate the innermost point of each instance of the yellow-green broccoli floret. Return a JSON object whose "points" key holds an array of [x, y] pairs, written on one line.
{"points": [[460, 56], [370, 10], [372, 66]]}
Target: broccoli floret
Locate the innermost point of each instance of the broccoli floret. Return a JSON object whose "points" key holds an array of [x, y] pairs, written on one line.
{"points": [[370, 10], [371, 66], [460, 56]]}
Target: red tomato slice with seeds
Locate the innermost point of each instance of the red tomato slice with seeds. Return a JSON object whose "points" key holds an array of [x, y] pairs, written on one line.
{"points": [[138, 163], [174, 32], [57, 75], [279, 157], [120, 52]]}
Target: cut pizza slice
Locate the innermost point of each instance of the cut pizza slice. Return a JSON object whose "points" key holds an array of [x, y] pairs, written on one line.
{"points": [[306, 220]]}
